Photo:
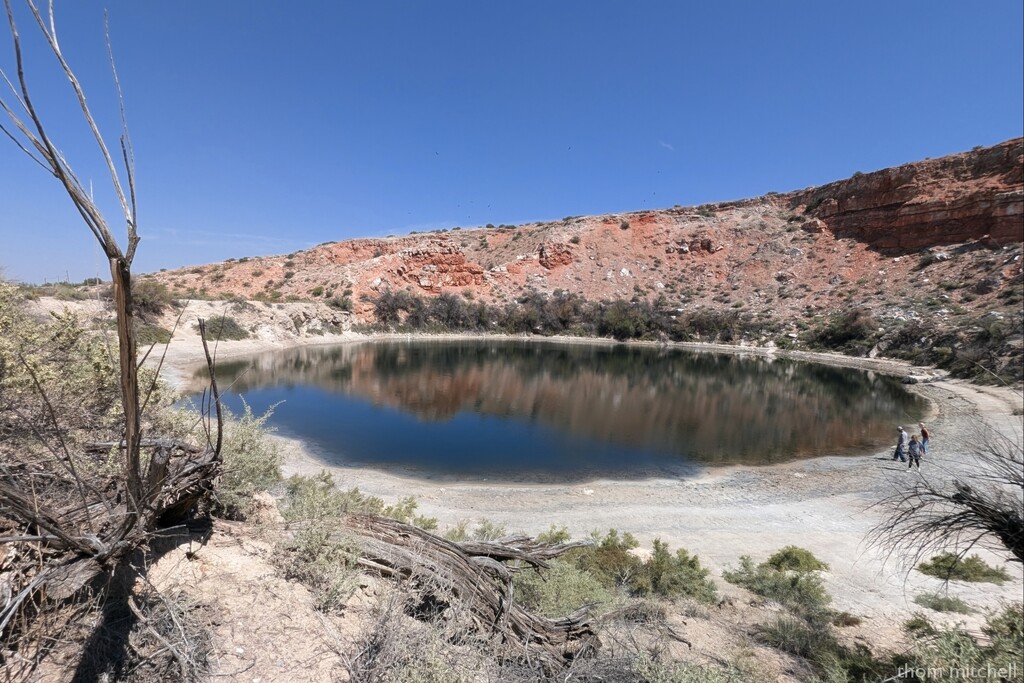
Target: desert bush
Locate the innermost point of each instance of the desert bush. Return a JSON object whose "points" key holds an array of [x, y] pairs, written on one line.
{"points": [[405, 511], [396, 648], [486, 530], [609, 559], [223, 328], [561, 589], [852, 331], [147, 335], [954, 649], [150, 298], [252, 463], [1005, 632], [554, 535], [647, 668], [943, 603], [832, 661], [663, 574], [343, 303], [797, 637], [801, 592], [952, 567], [707, 324], [57, 359], [458, 531], [310, 498], [324, 562], [792, 558], [317, 498], [626, 320], [667, 575], [918, 625]]}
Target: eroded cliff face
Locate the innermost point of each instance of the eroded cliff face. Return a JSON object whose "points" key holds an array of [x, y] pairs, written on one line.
{"points": [[976, 195], [935, 238]]}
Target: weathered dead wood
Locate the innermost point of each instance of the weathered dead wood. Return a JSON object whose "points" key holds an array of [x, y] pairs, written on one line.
{"points": [[104, 446], [473, 573]]}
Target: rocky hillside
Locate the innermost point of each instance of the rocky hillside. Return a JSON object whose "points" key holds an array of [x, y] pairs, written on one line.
{"points": [[937, 242], [891, 238]]}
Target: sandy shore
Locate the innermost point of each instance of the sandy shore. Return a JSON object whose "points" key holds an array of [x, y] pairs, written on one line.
{"points": [[822, 504]]}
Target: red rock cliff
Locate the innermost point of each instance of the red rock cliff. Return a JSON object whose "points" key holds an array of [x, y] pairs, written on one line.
{"points": [[954, 199]]}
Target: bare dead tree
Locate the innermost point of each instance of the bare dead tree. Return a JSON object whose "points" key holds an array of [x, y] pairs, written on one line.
{"points": [[72, 544], [983, 507]]}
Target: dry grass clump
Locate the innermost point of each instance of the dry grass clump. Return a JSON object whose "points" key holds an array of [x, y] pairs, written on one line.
{"points": [[943, 603]]}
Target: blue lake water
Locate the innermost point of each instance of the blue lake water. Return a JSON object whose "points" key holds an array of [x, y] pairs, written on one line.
{"points": [[545, 411]]}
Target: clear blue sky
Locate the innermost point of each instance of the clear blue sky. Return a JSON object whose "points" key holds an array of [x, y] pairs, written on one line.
{"points": [[264, 127]]}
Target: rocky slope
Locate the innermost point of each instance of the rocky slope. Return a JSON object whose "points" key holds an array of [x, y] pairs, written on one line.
{"points": [[931, 239]]}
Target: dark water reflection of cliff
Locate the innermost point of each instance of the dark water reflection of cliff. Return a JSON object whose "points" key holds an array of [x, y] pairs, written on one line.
{"points": [[529, 410]]}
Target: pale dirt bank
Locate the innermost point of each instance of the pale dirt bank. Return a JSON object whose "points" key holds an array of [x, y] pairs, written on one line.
{"points": [[823, 504]]}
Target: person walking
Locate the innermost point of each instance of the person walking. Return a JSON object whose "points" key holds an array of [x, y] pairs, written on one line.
{"points": [[914, 453], [901, 446], [925, 435]]}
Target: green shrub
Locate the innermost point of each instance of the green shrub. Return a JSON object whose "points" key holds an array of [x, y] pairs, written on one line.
{"points": [[954, 649], [801, 592], [310, 498], [792, 558], [458, 532], [487, 530], [317, 291], [853, 330], [1005, 631], [561, 589], [918, 625], [609, 559], [554, 535], [150, 298], [953, 567], [341, 303], [668, 575], [405, 511], [816, 643], [943, 603], [317, 499], [148, 335], [797, 637], [663, 573], [624, 225], [322, 561], [648, 668], [252, 462], [223, 328]]}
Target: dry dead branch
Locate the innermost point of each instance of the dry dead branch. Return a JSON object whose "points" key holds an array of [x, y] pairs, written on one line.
{"points": [[473, 573], [69, 527], [984, 507]]}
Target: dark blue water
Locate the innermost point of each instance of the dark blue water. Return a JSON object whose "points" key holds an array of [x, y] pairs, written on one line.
{"points": [[542, 411]]}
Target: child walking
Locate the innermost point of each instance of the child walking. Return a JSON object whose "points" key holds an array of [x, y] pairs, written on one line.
{"points": [[914, 452]]}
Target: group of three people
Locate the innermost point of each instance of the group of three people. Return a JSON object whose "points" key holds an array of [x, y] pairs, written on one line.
{"points": [[910, 448]]}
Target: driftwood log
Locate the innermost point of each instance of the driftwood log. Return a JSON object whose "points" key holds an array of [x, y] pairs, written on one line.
{"points": [[475, 573]]}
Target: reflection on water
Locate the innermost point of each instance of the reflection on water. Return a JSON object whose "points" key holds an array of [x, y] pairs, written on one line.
{"points": [[528, 409]]}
